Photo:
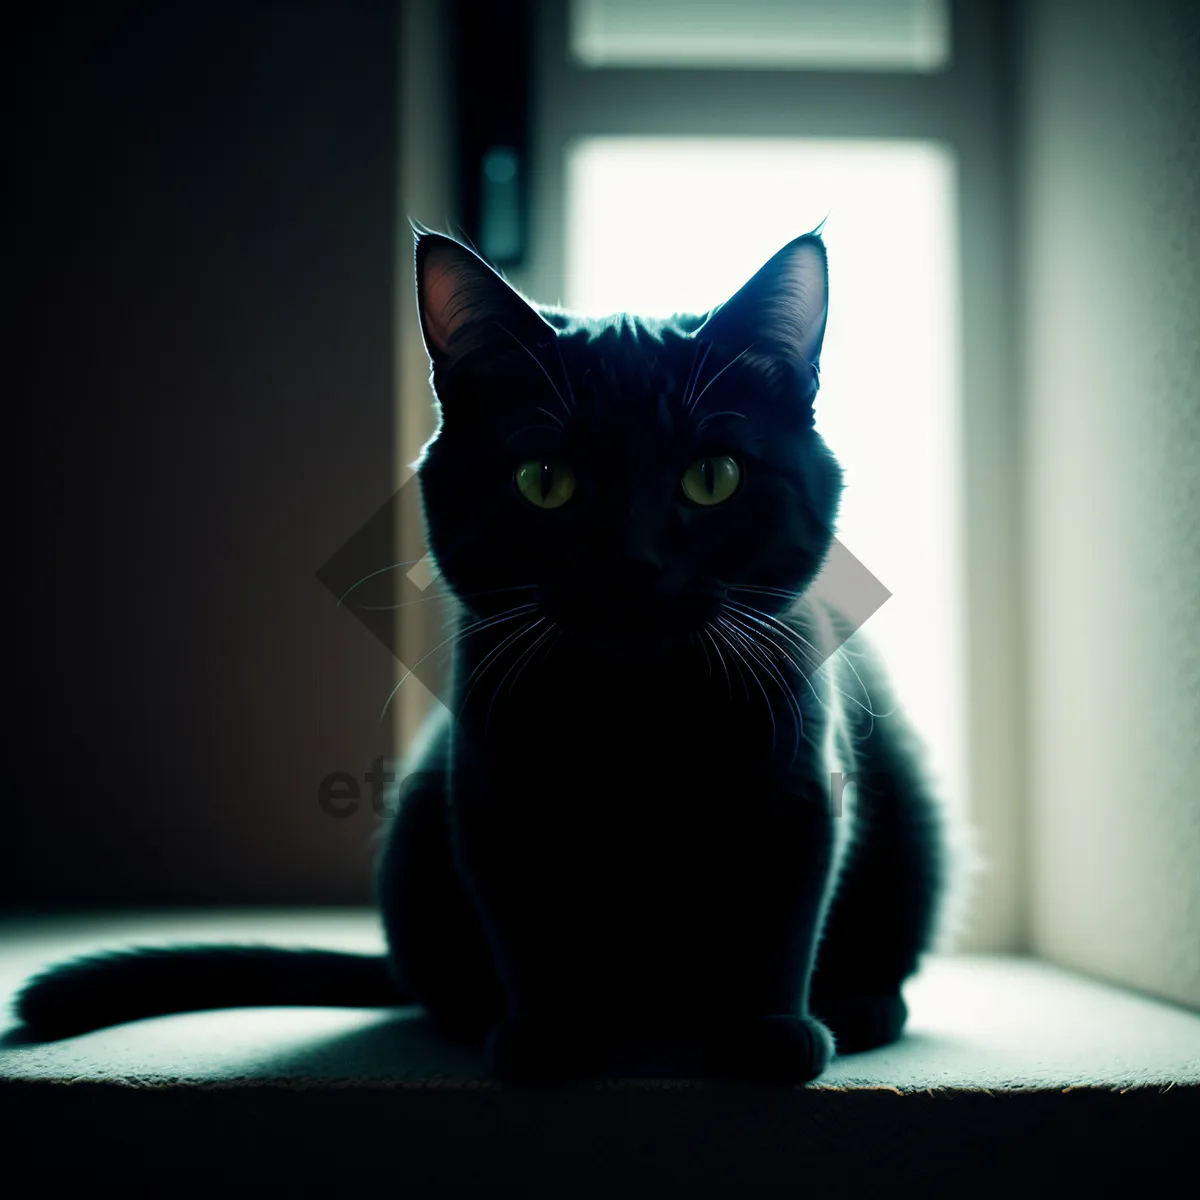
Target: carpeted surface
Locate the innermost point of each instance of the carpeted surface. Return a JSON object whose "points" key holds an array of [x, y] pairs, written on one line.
{"points": [[1007, 1061]]}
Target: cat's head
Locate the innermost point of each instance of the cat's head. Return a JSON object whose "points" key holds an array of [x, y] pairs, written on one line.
{"points": [[628, 472]]}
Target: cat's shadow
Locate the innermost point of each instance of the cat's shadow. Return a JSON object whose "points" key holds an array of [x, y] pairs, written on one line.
{"points": [[406, 1047]]}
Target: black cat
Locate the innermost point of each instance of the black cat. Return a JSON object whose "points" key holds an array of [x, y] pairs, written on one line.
{"points": [[630, 827]]}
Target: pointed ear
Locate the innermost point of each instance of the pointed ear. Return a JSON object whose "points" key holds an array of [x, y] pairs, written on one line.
{"points": [[782, 307], [465, 305]]}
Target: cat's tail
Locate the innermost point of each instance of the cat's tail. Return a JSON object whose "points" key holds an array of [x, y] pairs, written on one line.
{"points": [[110, 988]]}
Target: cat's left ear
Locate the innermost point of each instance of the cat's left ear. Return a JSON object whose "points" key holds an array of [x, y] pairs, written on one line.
{"points": [[782, 308]]}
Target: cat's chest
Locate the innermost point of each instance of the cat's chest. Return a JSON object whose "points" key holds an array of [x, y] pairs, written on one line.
{"points": [[657, 751], [627, 813], [637, 792], [642, 732]]}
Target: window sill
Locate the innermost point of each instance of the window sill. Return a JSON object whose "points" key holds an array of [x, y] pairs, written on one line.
{"points": [[1005, 1058]]}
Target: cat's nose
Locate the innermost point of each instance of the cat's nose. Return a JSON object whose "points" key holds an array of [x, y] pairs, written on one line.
{"points": [[639, 557], [637, 573]]}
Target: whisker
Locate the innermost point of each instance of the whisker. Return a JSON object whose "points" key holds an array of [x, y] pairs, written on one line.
{"points": [[817, 663], [520, 659], [813, 652], [472, 681], [804, 646], [843, 649], [486, 623], [841, 653], [759, 637], [753, 675], [789, 697], [770, 591], [466, 621], [558, 634], [527, 656], [869, 707], [390, 567], [809, 661], [728, 681], [802, 664], [532, 653], [793, 702]]}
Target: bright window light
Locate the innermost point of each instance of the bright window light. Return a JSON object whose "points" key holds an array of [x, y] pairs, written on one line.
{"points": [[662, 225], [864, 35]]}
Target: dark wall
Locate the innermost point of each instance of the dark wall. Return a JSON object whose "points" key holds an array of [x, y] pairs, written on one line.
{"points": [[202, 230]]}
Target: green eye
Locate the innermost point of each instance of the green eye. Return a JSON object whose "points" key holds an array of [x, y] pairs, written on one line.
{"points": [[545, 483], [710, 481]]}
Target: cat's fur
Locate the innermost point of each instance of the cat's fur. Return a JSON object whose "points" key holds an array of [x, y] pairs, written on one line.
{"points": [[626, 829]]}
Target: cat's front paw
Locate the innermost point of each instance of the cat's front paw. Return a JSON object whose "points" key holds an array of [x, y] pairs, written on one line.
{"points": [[772, 1049], [522, 1050], [863, 1020]]}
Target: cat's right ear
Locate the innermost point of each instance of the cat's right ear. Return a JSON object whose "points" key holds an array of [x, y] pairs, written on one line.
{"points": [[782, 307], [465, 305]]}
